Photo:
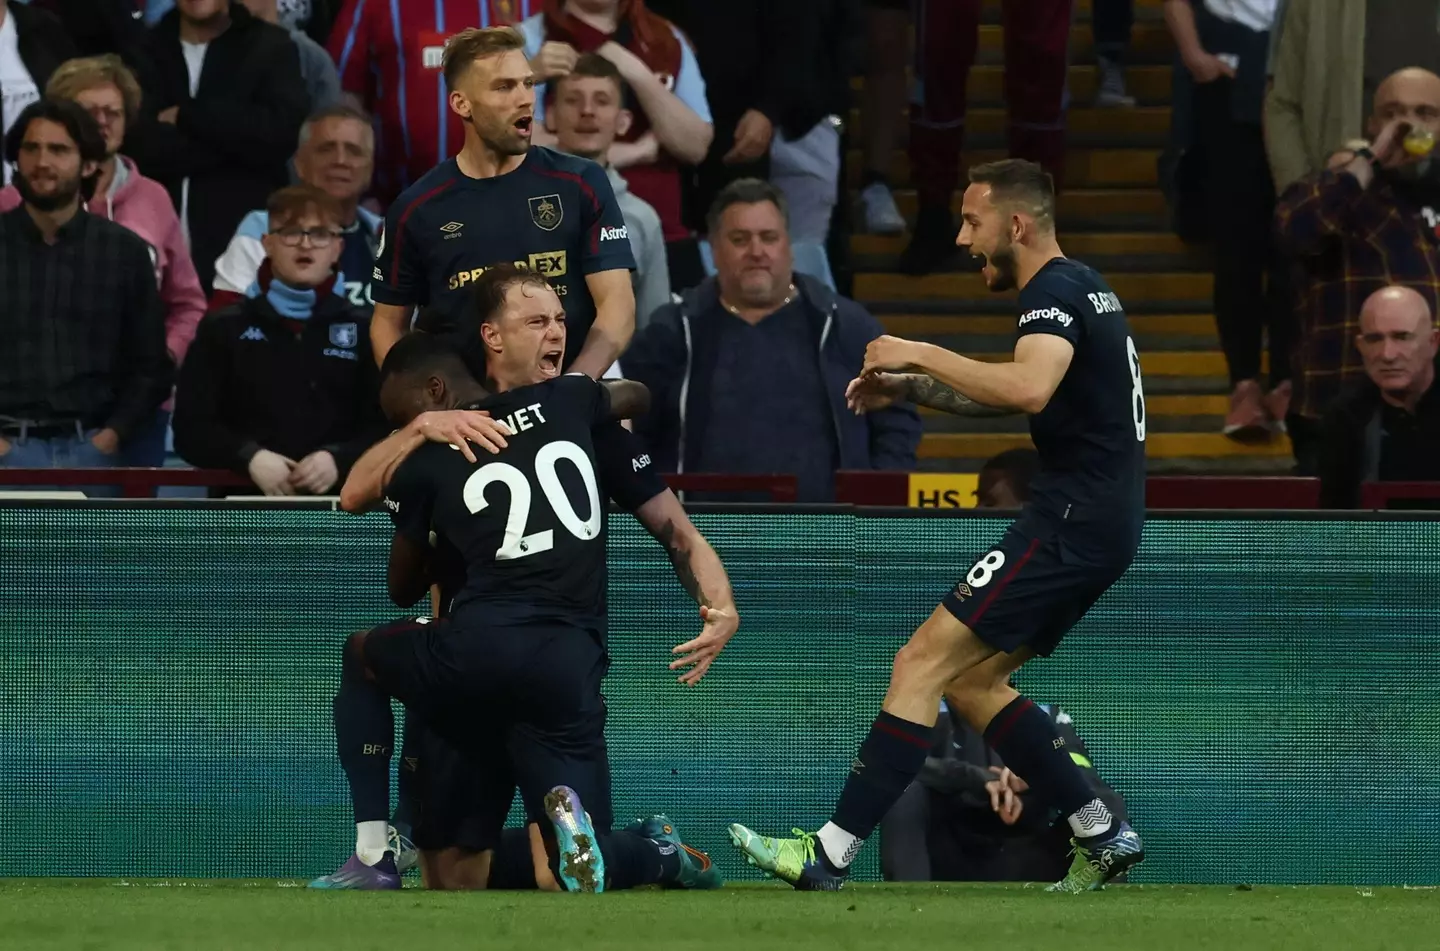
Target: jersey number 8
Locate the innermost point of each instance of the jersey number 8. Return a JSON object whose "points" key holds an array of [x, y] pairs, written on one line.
{"points": [[517, 544], [1137, 392]]}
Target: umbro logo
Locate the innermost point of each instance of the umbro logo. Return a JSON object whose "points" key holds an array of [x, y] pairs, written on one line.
{"points": [[452, 229], [254, 333]]}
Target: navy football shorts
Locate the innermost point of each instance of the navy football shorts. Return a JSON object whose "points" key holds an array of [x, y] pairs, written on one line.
{"points": [[533, 688], [459, 799], [1028, 591]]}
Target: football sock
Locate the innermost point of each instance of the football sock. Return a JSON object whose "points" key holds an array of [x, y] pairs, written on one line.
{"points": [[371, 840], [364, 734], [632, 860], [1028, 743], [406, 778], [888, 762]]}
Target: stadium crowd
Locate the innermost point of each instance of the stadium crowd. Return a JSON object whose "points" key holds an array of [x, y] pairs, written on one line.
{"points": [[249, 150]]}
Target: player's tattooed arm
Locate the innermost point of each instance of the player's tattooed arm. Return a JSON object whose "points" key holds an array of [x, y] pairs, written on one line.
{"points": [[628, 399], [924, 390], [704, 579]]}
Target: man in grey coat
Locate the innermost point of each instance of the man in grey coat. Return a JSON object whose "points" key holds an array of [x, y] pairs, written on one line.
{"points": [[587, 116]]}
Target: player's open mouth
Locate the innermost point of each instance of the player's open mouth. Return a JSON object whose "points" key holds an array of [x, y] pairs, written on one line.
{"points": [[522, 124], [550, 361]]}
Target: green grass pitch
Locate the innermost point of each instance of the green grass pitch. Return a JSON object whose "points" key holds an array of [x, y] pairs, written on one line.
{"points": [[116, 915]]}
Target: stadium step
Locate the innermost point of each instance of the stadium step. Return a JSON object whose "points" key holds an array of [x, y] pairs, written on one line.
{"points": [[1131, 288], [1100, 208], [1148, 83], [1084, 167], [1141, 125]]}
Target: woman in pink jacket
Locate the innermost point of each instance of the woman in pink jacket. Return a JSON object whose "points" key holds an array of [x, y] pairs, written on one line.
{"points": [[108, 91]]}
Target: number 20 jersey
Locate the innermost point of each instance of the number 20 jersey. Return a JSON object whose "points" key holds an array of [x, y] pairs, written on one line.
{"points": [[529, 522], [1091, 435]]}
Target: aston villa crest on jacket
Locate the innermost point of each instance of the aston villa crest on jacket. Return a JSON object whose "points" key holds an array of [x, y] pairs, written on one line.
{"points": [[344, 336]]}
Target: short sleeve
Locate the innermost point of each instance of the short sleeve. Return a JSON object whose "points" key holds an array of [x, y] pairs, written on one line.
{"points": [[606, 237], [410, 501], [690, 84], [1044, 312], [627, 474], [399, 275]]}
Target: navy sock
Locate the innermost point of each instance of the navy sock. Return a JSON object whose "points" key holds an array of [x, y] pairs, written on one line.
{"points": [[407, 779], [632, 860], [1028, 743], [889, 760], [364, 735]]}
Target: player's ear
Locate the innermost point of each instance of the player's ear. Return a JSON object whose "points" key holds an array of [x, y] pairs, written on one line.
{"points": [[459, 105], [490, 336], [623, 121]]}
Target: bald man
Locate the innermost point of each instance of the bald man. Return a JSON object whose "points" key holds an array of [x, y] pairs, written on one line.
{"points": [[1386, 427], [1368, 221]]}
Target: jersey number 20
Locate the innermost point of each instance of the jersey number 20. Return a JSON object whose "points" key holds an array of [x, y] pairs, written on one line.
{"points": [[517, 544], [1137, 392]]}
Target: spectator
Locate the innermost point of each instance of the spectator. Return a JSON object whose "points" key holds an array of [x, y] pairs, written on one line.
{"points": [[671, 124], [223, 102], [1329, 63], [967, 818], [84, 364], [322, 82], [282, 387], [98, 27], [1037, 41], [760, 60], [106, 89], [1224, 45], [1112, 21], [313, 17], [1386, 427], [389, 59], [337, 156], [1352, 229], [805, 153], [887, 33], [586, 117], [1004, 481], [33, 44], [747, 373]]}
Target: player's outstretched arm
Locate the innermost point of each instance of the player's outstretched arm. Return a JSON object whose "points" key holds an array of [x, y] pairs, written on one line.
{"points": [[703, 577], [371, 473], [629, 399], [867, 394], [1023, 385]]}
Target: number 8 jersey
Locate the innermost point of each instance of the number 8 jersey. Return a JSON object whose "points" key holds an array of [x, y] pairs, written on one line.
{"points": [[528, 522], [1091, 435]]}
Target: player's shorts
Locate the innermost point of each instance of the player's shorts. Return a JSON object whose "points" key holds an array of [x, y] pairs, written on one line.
{"points": [[536, 686], [459, 799], [1028, 591]]}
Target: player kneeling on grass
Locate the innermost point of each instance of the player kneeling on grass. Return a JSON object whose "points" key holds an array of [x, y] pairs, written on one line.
{"points": [[649, 852], [1076, 374]]}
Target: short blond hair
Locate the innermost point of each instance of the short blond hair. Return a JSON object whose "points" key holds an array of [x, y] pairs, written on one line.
{"points": [[473, 43], [74, 76]]}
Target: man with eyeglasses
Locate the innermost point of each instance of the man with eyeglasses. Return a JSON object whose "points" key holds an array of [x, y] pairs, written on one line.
{"points": [[282, 386]]}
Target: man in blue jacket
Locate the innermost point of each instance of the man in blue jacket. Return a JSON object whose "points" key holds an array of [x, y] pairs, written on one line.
{"points": [[747, 372]]}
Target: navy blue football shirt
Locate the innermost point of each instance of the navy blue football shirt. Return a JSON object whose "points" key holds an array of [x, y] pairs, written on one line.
{"points": [[555, 215], [1091, 435]]}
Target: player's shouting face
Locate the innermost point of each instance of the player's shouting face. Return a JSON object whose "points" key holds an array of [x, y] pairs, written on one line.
{"points": [[496, 95], [525, 339], [989, 233]]}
